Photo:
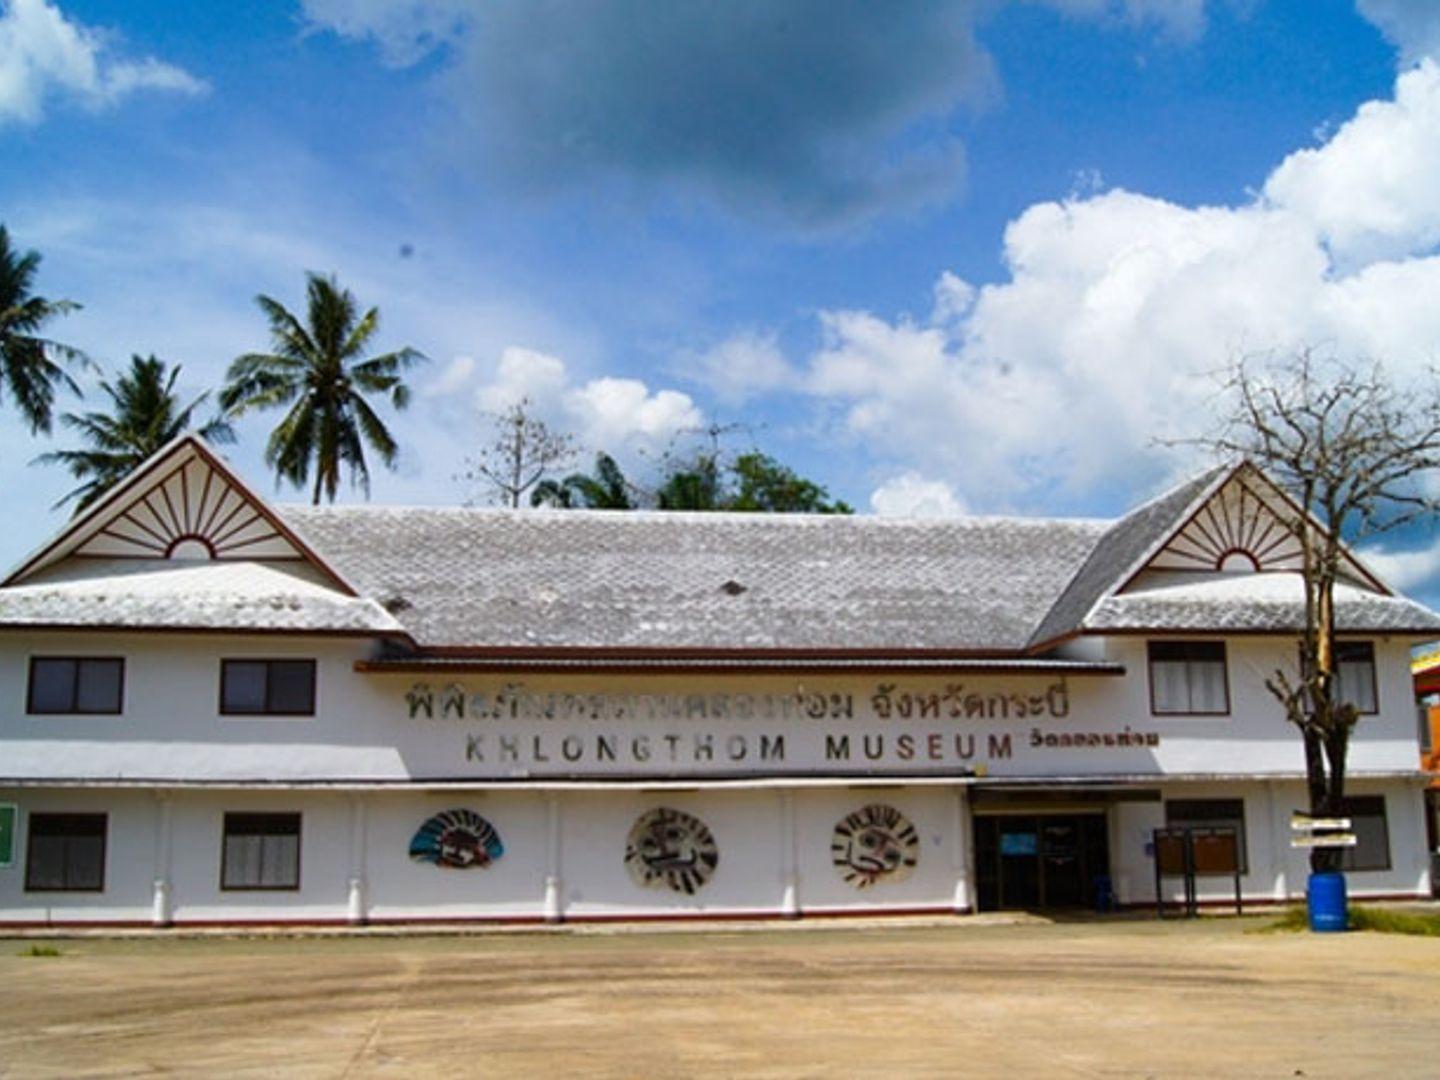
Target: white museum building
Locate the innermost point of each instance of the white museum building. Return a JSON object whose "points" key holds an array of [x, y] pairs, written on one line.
{"points": [[214, 710]]}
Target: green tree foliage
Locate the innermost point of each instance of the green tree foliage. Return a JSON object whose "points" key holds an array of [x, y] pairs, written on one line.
{"points": [[30, 365], [144, 415], [319, 370], [752, 483], [693, 486], [764, 485], [605, 489]]}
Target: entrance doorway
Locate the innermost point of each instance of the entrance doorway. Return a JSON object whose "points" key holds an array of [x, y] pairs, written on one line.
{"points": [[1032, 861]]}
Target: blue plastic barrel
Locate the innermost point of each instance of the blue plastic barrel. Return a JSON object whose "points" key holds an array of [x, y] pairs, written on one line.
{"points": [[1325, 899]]}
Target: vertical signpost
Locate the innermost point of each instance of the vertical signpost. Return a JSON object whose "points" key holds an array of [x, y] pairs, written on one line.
{"points": [[1325, 900]]}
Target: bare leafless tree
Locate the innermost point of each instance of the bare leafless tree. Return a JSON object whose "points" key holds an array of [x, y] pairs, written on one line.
{"points": [[1351, 449], [525, 449]]}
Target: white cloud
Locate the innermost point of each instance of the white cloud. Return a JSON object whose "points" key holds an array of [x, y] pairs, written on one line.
{"points": [[1370, 191], [613, 410], [1413, 25], [744, 366], [911, 495], [1404, 570], [621, 416], [43, 54], [522, 374], [1119, 308]]}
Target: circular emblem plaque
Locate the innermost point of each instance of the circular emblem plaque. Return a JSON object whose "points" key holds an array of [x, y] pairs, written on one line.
{"points": [[669, 849], [876, 843], [457, 840]]}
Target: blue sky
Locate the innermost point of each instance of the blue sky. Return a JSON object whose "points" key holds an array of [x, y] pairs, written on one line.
{"points": [[943, 257]]}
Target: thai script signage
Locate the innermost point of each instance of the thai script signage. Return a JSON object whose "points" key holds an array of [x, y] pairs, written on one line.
{"points": [[954, 728]]}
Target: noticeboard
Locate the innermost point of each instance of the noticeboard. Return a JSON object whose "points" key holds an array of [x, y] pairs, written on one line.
{"points": [[9, 815]]}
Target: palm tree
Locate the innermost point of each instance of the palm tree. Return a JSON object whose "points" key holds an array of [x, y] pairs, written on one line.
{"points": [[28, 367], [145, 415], [318, 370], [607, 489]]}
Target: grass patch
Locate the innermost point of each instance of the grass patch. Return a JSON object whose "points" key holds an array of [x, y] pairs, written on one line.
{"points": [[41, 950], [1380, 920], [1388, 921]]}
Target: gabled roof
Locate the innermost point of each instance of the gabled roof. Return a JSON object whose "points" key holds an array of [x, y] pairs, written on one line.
{"points": [[1169, 566], [184, 502], [184, 543], [1123, 548]]}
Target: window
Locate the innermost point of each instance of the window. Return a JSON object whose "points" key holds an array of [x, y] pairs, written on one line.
{"points": [[1367, 822], [1355, 675], [75, 684], [267, 687], [261, 851], [65, 853], [1209, 814], [1188, 678]]}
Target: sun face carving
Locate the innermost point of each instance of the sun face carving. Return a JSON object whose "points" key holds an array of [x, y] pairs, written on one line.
{"points": [[191, 513], [875, 843], [670, 849], [1234, 532]]}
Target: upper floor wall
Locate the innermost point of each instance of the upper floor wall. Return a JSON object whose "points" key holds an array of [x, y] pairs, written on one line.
{"points": [[396, 727]]}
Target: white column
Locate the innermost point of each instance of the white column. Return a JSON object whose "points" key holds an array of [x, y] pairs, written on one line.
{"points": [[1279, 842], [789, 862], [963, 852], [357, 905], [554, 875], [162, 910]]}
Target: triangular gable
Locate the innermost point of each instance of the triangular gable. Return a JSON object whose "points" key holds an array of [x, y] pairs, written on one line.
{"points": [[1240, 524], [184, 503]]}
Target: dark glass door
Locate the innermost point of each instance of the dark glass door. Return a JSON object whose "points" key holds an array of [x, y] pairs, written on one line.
{"points": [[1033, 861]]}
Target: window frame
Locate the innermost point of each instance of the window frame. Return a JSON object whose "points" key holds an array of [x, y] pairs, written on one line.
{"points": [[1347, 855], [1150, 646], [314, 666], [1340, 647], [32, 817], [1242, 825], [74, 710], [225, 834]]}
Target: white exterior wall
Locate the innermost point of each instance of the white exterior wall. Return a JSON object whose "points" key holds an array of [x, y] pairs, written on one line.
{"points": [[773, 840]]}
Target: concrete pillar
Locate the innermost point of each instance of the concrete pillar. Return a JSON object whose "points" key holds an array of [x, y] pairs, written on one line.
{"points": [[1279, 839], [963, 853], [162, 905], [554, 873], [789, 861], [357, 905]]}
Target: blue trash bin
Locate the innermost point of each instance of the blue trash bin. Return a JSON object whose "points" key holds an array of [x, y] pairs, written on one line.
{"points": [[1325, 900]]}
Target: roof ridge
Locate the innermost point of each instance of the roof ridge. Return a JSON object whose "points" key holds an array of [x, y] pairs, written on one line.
{"points": [[650, 514]]}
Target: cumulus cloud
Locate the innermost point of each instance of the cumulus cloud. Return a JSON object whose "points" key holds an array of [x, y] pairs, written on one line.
{"points": [[1118, 309], [622, 416], [1370, 192], [44, 55], [913, 496]]}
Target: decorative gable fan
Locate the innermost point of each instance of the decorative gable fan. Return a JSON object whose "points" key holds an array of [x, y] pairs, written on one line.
{"points": [[192, 512], [1246, 526]]}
